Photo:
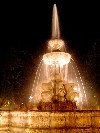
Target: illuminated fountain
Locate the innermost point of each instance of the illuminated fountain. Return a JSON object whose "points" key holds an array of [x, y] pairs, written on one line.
{"points": [[58, 87], [57, 80]]}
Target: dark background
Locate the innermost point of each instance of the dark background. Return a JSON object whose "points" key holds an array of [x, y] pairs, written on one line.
{"points": [[25, 30]]}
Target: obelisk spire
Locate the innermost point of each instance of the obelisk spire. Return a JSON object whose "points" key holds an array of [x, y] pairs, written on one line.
{"points": [[55, 24]]}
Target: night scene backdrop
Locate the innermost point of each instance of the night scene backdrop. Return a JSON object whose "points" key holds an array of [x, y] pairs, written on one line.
{"points": [[25, 30]]}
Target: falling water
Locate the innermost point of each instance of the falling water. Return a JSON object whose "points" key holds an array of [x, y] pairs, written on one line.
{"points": [[70, 71], [36, 121]]}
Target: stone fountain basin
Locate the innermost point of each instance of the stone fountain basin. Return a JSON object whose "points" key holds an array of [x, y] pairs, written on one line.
{"points": [[54, 119]]}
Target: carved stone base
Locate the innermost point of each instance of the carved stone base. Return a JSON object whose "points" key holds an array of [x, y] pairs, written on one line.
{"points": [[49, 106]]}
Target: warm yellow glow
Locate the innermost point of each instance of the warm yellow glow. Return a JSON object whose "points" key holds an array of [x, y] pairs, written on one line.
{"points": [[76, 99], [3, 118], [44, 120], [56, 58], [55, 44], [75, 88]]}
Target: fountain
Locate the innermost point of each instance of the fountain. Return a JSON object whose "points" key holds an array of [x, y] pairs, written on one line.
{"points": [[55, 24], [57, 81], [57, 96]]}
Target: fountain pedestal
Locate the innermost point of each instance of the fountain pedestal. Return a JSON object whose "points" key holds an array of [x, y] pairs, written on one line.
{"points": [[56, 106]]}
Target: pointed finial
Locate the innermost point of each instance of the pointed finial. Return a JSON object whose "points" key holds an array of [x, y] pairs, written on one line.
{"points": [[55, 24]]}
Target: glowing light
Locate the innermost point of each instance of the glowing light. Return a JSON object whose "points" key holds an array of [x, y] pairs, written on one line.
{"points": [[56, 62], [30, 97], [75, 89], [84, 91], [56, 58], [76, 99], [55, 44], [3, 118]]}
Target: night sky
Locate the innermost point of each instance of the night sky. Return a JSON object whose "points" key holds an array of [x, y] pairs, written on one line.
{"points": [[25, 30]]}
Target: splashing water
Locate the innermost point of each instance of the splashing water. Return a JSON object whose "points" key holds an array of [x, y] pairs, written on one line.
{"points": [[74, 75], [63, 65], [71, 75]]}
